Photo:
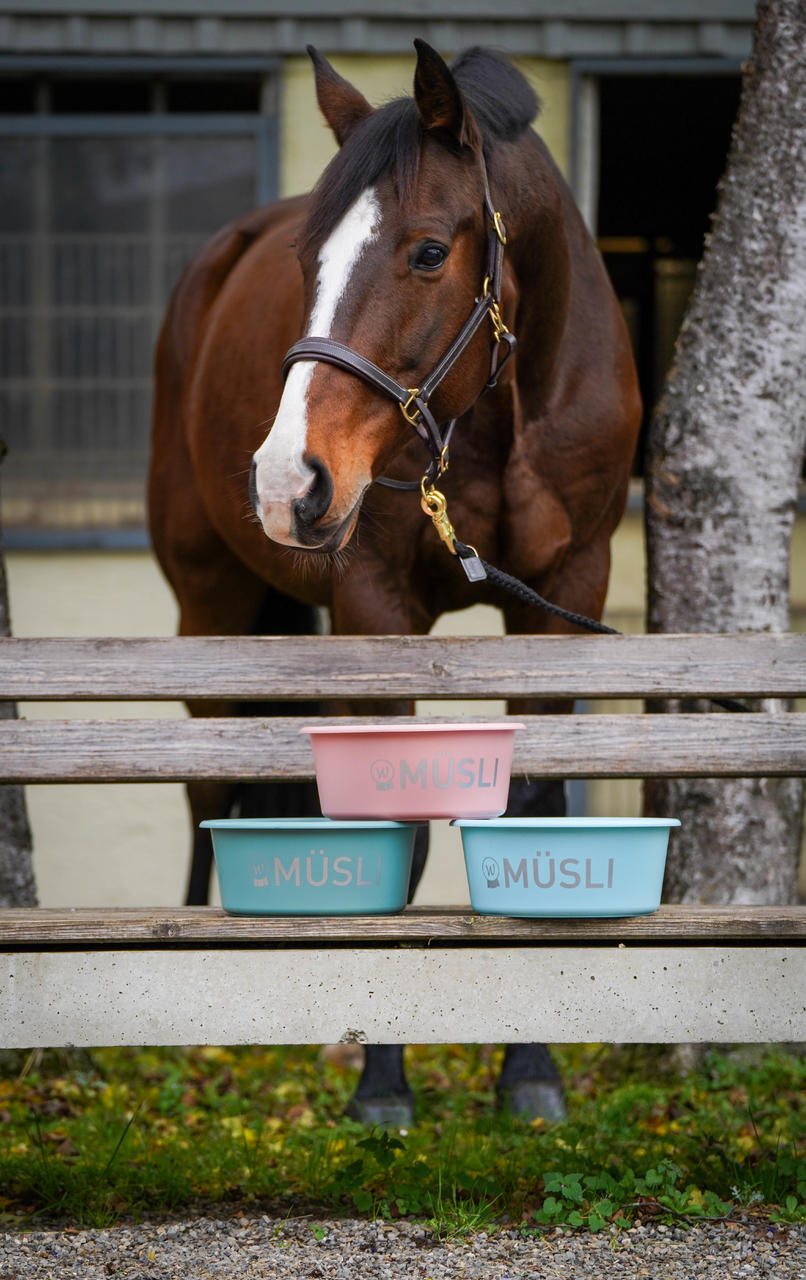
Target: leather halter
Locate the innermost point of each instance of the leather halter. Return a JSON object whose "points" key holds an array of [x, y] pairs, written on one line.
{"points": [[413, 401]]}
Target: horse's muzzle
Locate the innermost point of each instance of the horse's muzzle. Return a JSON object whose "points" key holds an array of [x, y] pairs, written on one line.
{"points": [[308, 527]]}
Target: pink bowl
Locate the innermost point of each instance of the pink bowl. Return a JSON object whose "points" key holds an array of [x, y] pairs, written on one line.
{"points": [[410, 770]]}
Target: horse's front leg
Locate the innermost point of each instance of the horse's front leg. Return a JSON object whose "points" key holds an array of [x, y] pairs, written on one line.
{"points": [[383, 1095], [529, 1084]]}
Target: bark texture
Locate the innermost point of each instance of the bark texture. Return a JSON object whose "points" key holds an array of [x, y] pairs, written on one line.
{"points": [[17, 886], [725, 454]]}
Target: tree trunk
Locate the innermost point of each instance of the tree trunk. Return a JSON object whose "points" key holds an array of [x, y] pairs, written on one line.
{"points": [[17, 887], [725, 456]]}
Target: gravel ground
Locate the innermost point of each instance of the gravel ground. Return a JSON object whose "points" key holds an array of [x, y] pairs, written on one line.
{"points": [[264, 1248]]}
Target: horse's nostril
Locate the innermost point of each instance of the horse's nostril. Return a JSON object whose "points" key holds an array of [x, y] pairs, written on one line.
{"points": [[253, 486], [314, 503]]}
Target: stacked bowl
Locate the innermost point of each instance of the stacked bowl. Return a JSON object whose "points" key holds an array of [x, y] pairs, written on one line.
{"points": [[377, 783]]}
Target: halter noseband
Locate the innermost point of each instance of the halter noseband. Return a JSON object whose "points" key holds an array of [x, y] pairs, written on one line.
{"points": [[413, 401]]}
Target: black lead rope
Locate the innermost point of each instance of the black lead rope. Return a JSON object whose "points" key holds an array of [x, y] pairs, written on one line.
{"points": [[517, 588], [477, 570]]}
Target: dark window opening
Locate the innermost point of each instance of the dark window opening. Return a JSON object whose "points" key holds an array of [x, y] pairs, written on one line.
{"points": [[664, 144], [193, 97], [17, 97], [97, 96]]}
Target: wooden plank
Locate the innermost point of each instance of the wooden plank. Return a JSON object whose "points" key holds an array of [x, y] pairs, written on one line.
{"points": [[404, 667], [166, 927], [253, 749], [422, 995]]}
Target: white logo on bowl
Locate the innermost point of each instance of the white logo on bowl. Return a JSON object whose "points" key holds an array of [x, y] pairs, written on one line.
{"points": [[442, 772], [544, 871], [382, 773], [317, 870], [491, 872]]}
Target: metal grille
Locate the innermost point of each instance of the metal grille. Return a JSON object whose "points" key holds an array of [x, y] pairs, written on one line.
{"points": [[102, 215]]}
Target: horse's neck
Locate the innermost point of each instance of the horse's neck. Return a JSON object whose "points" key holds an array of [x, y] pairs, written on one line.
{"points": [[550, 252]]}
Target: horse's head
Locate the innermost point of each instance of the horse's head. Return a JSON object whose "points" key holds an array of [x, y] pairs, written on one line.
{"points": [[394, 258]]}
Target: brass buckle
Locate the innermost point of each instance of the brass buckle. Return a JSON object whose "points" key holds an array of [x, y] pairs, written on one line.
{"points": [[413, 417], [498, 223]]}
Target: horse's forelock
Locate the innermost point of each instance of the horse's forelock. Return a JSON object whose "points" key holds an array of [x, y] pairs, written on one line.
{"points": [[503, 102], [390, 140]]}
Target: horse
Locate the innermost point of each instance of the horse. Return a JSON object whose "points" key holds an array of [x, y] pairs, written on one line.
{"points": [[436, 299]]}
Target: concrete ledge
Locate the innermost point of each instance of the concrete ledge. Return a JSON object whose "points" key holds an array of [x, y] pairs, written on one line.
{"points": [[429, 996]]}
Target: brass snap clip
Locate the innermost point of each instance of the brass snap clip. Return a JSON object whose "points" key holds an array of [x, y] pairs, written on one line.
{"points": [[435, 506], [500, 329]]}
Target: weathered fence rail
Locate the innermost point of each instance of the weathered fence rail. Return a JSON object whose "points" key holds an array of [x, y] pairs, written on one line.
{"points": [[196, 975]]}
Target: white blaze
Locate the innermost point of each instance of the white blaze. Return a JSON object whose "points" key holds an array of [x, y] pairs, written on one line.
{"points": [[281, 474]]}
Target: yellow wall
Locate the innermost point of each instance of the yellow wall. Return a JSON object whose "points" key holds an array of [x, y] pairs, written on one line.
{"points": [[307, 144], [111, 845]]}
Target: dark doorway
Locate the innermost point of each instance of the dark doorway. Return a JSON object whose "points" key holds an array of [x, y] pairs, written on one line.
{"points": [[664, 140]]}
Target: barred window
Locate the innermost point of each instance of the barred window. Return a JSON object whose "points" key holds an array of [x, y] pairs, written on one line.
{"points": [[110, 186]]}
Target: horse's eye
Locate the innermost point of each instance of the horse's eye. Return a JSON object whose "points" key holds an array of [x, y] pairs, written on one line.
{"points": [[429, 257]]}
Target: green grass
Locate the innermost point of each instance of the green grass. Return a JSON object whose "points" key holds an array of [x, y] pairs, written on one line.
{"points": [[90, 1138]]}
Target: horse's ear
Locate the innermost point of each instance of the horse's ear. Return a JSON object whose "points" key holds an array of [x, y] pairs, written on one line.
{"points": [[340, 102], [439, 100]]}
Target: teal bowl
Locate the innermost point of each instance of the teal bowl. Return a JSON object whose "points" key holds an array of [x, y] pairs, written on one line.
{"points": [[565, 866], [312, 866]]}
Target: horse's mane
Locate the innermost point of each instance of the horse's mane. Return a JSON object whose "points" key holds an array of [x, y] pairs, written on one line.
{"points": [[389, 140]]}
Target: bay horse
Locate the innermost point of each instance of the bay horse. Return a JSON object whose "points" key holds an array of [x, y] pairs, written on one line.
{"points": [[441, 229]]}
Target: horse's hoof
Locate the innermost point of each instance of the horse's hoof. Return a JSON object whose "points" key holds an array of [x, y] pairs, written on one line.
{"points": [[388, 1113], [533, 1100]]}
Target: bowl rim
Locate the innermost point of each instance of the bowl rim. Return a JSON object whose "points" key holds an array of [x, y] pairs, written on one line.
{"points": [[306, 824], [427, 727], [565, 824]]}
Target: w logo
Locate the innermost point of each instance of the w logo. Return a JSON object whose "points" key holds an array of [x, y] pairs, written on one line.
{"points": [[491, 873], [382, 773]]}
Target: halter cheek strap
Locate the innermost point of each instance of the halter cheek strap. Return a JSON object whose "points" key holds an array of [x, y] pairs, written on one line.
{"points": [[413, 401]]}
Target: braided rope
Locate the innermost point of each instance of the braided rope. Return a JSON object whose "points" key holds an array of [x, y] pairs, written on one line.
{"points": [[520, 589]]}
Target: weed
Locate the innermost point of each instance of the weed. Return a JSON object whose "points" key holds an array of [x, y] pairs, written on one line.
{"points": [[131, 1131]]}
